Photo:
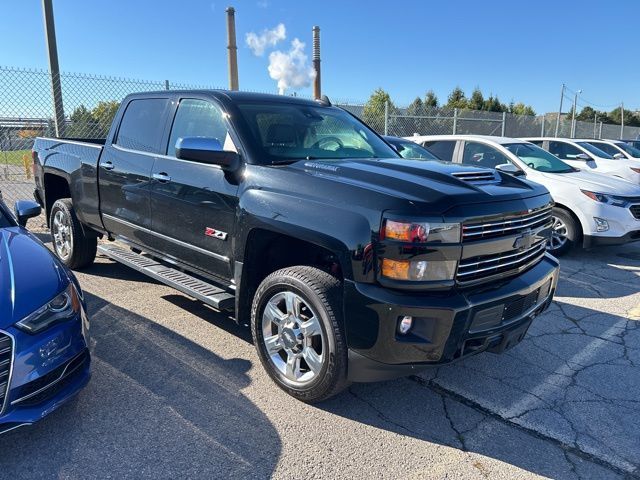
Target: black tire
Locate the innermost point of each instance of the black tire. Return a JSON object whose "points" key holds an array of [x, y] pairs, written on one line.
{"points": [[78, 250], [321, 294], [564, 228]]}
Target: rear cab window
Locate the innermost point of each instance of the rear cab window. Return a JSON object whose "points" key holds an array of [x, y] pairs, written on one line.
{"points": [[443, 149], [142, 125]]}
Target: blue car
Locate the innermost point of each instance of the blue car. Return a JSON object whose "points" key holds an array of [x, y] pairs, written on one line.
{"points": [[44, 343]]}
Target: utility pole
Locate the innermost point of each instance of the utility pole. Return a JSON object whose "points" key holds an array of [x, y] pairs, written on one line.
{"points": [[54, 67], [232, 48], [559, 111], [573, 119], [317, 90], [621, 120], [595, 124]]}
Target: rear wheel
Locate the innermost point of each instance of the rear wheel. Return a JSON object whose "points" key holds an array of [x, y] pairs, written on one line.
{"points": [[73, 247], [297, 332], [564, 233]]}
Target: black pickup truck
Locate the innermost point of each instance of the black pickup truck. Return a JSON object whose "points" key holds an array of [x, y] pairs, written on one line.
{"points": [[349, 262]]}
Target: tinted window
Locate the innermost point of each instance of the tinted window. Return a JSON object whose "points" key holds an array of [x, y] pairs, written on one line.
{"points": [[605, 147], [536, 142], [596, 151], [286, 132], [565, 151], [634, 152], [481, 155], [199, 118], [142, 125], [537, 158], [443, 149], [413, 150]]}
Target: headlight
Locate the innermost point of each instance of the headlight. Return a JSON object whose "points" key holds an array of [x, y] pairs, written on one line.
{"points": [[61, 308], [608, 199], [418, 270], [421, 232]]}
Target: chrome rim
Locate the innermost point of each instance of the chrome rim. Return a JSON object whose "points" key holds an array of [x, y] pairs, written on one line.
{"points": [[62, 234], [559, 233], [293, 338]]}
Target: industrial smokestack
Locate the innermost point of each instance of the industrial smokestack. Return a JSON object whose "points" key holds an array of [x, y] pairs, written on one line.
{"points": [[317, 93], [232, 48]]}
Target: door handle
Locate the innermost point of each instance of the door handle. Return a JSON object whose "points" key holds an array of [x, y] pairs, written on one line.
{"points": [[107, 165], [161, 177]]}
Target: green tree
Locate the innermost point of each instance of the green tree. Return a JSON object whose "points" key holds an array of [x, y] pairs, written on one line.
{"points": [[82, 123], [476, 102], [414, 125], [374, 109], [430, 100], [521, 109], [457, 99], [585, 115], [493, 104], [103, 113]]}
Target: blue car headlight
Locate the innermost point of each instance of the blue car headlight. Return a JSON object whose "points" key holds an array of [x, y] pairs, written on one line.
{"points": [[61, 308]]}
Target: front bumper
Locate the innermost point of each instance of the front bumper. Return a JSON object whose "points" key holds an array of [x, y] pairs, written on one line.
{"points": [[48, 369], [624, 227], [448, 326]]}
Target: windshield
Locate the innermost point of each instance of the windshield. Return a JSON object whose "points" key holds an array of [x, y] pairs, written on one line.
{"points": [[289, 132], [410, 149], [594, 151], [538, 159], [634, 152]]}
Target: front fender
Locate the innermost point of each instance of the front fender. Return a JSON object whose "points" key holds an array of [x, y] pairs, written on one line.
{"points": [[337, 228]]}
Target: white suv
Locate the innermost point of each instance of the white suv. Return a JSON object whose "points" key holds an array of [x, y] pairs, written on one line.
{"points": [[617, 149], [590, 209], [583, 155]]}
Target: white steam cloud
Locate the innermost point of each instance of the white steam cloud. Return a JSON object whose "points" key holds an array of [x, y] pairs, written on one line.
{"points": [[290, 69], [268, 38]]}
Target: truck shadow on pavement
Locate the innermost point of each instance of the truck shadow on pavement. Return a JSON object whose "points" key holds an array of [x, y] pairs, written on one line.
{"points": [[158, 406]]}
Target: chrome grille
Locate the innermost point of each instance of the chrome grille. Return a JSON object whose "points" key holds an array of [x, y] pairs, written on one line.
{"points": [[6, 358], [479, 176], [635, 211], [479, 268], [509, 225]]}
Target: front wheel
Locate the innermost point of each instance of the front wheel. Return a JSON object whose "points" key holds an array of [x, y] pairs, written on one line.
{"points": [[564, 233], [296, 328], [73, 247]]}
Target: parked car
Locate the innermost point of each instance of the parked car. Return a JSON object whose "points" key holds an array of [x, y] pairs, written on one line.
{"points": [[634, 143], [581, 154], [44, 354], [589, 209], [348, 262], [617, 149], [408, 149]]}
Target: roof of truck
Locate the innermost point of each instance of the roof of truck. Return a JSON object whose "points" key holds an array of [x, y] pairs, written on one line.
{"points": [[232, 95]]}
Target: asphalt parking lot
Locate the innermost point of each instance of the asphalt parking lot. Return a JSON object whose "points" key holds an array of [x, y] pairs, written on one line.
{"points": [[178, 392]]}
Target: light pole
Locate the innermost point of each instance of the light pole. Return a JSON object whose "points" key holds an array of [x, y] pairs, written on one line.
{"points": [[559, 111], [573, 120], [54, 68]]}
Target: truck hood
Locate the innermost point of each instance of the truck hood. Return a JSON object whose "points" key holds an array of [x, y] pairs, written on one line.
{"points": [[439, 184], [596, 182], [30, 275]]}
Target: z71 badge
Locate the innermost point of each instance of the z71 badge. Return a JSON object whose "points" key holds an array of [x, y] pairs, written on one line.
{"points": [[212, 232]]}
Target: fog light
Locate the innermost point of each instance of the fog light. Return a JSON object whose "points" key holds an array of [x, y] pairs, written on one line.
{"points": [[405, 324], [601, 224]]}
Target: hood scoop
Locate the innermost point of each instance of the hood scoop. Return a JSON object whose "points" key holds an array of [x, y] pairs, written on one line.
{"points": [[477, 176]]}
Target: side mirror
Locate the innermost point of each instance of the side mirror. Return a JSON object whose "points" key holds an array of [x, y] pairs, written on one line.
{"points": [[206, 150], [582, 156], [618, 156], [26, 209], [511, 169]]}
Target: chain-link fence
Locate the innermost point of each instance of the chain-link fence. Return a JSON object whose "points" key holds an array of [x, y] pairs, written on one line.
{"points": [[89, 103]]}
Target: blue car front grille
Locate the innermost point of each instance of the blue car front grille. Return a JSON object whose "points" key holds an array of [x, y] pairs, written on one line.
{"points": [[6, 358]]}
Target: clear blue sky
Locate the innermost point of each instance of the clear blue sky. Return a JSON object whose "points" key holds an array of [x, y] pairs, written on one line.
{"points": [[517, 50]]}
